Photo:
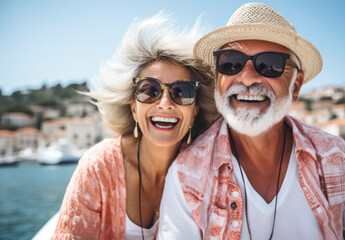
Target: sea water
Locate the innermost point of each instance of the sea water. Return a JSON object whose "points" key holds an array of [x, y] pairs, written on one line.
{"points": [[30, 194]]}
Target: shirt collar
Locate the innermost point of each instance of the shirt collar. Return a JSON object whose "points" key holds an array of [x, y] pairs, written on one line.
{"points": [[222, 150], [303, 144]]}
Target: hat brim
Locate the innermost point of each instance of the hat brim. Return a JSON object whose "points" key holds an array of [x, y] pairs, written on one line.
{"points": [[309, 56]]}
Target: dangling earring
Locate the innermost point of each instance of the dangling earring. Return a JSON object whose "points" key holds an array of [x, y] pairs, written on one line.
{"points": [[135, 132], [189, 140]]}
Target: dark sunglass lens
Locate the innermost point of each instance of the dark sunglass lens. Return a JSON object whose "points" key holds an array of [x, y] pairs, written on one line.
{"points": [[231, 62], [270, 64], [148, 91], [183, 93]]}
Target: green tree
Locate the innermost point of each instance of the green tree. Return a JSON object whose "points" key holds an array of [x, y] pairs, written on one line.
{"points": [[342, 136], [47, 101], [39, 120], [57, 90], [340, 101], [18, 107], [17, 96], [308, 102], [44, 87], [326, 98]]}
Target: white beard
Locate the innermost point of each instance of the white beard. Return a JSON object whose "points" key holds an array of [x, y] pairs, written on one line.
{"points": [[253, 122]]}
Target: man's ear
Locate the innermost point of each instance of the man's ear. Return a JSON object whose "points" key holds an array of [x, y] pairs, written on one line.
{"points": [[297, 86]]}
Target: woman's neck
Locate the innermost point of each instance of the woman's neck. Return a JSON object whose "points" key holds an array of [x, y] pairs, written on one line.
{"points": [[156, 160]]}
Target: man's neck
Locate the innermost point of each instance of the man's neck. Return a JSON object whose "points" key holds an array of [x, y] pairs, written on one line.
{"points": [[262, 150], [262, 156]]}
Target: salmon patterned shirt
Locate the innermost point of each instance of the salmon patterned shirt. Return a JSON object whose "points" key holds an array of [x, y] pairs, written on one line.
{"points": [[206, 175], [94, 206]]}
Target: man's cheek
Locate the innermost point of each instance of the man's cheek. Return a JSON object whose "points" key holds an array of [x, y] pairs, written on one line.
{"points": [[222, 85]]}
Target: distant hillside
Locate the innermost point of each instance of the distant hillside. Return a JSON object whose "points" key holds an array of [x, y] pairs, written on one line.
{"points": [[20, 101]]}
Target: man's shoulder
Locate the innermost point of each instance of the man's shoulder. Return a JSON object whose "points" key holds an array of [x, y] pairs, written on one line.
{"points": [[202, 145], [320, 140], [196, 160], [210, 134]]}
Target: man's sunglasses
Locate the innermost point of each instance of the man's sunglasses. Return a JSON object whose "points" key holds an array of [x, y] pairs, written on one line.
{"points": [[267, 64], [149, 90]]}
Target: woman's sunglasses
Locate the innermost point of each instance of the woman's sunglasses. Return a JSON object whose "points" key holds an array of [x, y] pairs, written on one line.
{"points": [[149, 90], [267, 64]]}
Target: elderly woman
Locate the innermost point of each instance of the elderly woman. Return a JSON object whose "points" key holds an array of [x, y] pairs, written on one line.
{"points": [[155, 96]]}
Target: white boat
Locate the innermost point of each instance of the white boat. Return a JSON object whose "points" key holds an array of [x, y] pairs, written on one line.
{"points": [[27, 155], [8, 160], [61, 152], [47, 231]]}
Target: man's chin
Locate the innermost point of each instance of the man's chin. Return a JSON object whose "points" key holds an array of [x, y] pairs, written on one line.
{"points": [[253, 121], [252, 129]]}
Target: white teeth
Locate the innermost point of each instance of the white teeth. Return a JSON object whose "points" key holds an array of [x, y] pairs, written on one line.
{"points": [[163, 119], [257, 98], [160, 126], [157, 120]]}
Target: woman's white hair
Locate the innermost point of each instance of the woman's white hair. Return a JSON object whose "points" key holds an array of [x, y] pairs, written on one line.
{"points": [[154, 39]]}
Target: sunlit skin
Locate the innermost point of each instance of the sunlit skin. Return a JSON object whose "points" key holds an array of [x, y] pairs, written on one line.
{"points": [[158, 146], [249, 76], [259, 155], [165, 107]]}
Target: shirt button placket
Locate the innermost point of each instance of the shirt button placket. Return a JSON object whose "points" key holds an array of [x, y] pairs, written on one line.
{"points": [[235, 224], [235, 194], [235, 207]]}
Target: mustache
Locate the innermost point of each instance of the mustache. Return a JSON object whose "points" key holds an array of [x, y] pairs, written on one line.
{"points": [[254, 89]]}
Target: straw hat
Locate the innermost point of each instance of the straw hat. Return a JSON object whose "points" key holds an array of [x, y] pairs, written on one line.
{"points": [[261, 22]]}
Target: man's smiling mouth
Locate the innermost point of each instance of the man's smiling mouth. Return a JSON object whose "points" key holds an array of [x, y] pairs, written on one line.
{"points": [[250, 98]]}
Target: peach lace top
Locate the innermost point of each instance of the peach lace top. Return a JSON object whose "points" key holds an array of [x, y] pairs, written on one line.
{"points": [[94, 206]]}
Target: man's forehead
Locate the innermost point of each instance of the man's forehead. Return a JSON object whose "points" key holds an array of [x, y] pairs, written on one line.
{"points": [[245, 44]]}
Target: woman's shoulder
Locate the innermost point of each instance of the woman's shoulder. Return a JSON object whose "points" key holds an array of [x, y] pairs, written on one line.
{"points": [[106, 146], [107, 152]]}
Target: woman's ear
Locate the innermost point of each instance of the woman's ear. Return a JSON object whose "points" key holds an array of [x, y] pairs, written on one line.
{"points": [[133, 105]]}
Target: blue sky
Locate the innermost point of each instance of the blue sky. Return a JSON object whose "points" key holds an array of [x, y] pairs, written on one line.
{"points": [[46, 41]]}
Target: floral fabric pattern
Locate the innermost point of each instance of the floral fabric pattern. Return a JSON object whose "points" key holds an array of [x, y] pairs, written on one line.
{"points": [[207, 178], [94, 205]]}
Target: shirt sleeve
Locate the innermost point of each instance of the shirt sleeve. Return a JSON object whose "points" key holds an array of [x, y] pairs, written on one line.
{"points": [[175, 221], [80, 213]]}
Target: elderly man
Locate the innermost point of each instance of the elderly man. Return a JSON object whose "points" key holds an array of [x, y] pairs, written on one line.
{"points": [[257, 173]]}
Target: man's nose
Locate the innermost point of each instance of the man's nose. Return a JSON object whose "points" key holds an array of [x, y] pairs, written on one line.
{"points": [[248, 75]]}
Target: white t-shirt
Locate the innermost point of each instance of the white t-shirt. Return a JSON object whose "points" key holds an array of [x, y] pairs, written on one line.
{"points": [[133, 231], [294, 217]]}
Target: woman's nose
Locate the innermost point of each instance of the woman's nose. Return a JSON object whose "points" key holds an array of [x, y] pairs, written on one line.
{"points": [[165, 102]]}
